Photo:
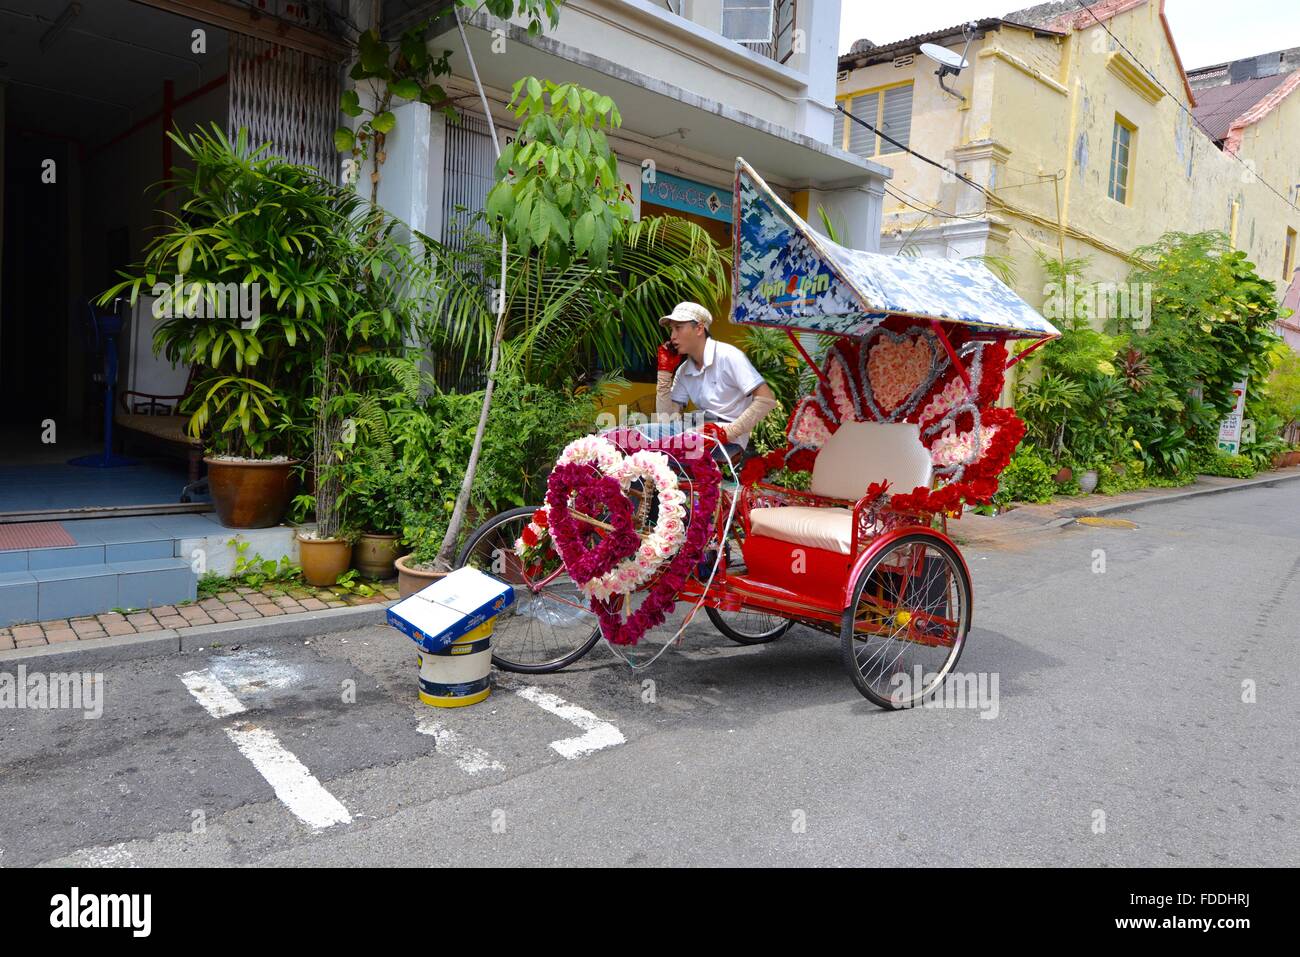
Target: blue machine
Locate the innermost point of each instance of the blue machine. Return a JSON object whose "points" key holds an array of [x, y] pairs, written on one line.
{"points": [[105, 328]]}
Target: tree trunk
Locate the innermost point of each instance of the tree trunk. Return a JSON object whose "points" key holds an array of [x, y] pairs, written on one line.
{"points": [[447, 550]]}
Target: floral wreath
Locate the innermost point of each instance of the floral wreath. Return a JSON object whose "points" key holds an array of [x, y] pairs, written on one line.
{"points": [[593, 476]]}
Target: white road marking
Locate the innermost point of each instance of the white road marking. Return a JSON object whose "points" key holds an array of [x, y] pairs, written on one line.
{"points": [[293, 784], [598, 734], [215, 697], [469, 759]]}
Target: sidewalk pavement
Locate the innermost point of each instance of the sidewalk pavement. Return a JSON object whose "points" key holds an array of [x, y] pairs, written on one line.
{"points": [[974, 529], [242, 604]]}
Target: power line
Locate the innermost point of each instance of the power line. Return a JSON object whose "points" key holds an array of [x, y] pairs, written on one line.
{"points": [[1179, 104], [931, 210], [906, 149]]}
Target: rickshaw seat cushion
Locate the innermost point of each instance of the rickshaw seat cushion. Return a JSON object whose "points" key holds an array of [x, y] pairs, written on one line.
{"points": [[830, 529], [859, 453]]}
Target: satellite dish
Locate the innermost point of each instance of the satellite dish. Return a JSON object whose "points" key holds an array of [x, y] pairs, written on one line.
{"points": [[950, 63], [949, 60]]}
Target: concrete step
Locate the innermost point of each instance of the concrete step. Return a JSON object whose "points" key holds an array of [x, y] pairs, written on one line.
{"points": [[70, 591]]}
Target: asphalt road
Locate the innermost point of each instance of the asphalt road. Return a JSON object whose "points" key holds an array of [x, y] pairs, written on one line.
{"points": [[1121, 736]]}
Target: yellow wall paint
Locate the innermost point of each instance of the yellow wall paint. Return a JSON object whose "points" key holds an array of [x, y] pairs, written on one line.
{"points": [[1179, 180]]}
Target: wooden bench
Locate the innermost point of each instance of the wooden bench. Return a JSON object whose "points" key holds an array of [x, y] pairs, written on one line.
{"points": [[159, 418]]}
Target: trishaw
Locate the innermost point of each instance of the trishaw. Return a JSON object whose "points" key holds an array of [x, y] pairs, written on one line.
{"points": [[900, 432]]}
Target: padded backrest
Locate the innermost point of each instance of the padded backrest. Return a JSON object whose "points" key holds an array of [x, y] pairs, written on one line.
{"points": [[859, 453]]}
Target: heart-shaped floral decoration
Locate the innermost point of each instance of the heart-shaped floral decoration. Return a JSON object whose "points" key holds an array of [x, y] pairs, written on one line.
{"points": [[898, 369], [589, 488], [809, 427]]}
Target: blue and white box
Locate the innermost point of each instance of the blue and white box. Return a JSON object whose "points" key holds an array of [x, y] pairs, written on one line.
{"points": [[436, 616]]}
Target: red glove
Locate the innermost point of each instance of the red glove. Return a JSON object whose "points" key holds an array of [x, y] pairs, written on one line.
{"points": [[716, 431], [669, 360]]}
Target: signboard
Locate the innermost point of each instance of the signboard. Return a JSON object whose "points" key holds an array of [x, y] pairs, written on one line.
{"points": [[688, 196], [1230, 427]]}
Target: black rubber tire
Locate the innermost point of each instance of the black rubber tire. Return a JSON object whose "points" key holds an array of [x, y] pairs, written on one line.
{"points": [[740, 637], [500, 654], [847, 639]]}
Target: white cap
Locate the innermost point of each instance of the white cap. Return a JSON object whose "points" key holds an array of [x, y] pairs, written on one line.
{"points": [[688, 312]]}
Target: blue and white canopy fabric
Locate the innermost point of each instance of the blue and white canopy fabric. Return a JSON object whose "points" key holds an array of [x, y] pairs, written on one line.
{"points": [[786, 275]]}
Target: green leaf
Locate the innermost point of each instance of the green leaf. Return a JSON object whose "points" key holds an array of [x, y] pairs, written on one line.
{"points": [[583, 231], [384, 122], [534, 88], [350, 103], [539, 224], [344, 140], [374, 52], [407, 89], [500, 201]]}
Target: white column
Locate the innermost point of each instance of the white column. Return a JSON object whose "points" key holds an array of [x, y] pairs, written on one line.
{"points": [[819, 21], [855, 212], [404, 176]]}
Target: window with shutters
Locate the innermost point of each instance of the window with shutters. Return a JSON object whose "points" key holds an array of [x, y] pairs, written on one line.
{"points": [[888, 110], [1121, 160]]}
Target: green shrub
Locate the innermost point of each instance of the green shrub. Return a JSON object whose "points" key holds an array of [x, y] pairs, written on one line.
{"points": [[527, 428], [1228, 466], [1027, 478]]}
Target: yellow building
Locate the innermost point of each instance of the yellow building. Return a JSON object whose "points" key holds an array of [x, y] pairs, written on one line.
{"points": [[1074, 130]]}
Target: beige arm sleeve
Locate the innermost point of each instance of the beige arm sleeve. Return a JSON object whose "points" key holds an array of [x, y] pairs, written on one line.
{"points": [[744, 424], [664, 403]]}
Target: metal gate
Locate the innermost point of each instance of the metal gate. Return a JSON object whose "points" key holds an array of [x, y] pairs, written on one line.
{"points": [[467, 174], [288, 98]]}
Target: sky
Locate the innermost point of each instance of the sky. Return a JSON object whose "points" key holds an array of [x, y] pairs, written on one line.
{"points": [[1206, 31]]}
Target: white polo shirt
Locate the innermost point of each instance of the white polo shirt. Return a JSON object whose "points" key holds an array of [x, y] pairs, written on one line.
{"points": [[722, 386]]}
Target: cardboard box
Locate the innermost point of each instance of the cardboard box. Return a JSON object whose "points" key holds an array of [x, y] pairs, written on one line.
{"points": [[453, 606]]}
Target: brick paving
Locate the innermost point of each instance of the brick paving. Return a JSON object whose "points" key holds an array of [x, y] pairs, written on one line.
{"points": [[240, 604]]}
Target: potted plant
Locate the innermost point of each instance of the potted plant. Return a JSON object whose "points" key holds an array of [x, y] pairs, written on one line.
{"points": [[1088, 480], [425, 510], [326, 552], [239, 289], [375, 512]]}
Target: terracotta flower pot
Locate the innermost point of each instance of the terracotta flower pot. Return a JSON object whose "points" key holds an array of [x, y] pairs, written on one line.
{"points": [[251, 494], [410, 580], [376, 554], [323, 560], [1063, 474]]}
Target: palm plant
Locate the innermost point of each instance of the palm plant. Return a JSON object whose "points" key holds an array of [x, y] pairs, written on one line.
{"points": [[248, 221], [560, 317]]}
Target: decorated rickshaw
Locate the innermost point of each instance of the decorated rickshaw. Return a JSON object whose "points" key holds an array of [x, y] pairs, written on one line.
{"points": [[900, 433]]}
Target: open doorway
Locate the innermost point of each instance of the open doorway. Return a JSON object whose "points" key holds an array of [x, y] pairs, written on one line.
{"points": [[88, 90]]}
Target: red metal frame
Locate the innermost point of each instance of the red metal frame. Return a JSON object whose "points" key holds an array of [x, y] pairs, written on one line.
{"points": [[942, 333], [1038, 342], [807, 358]]}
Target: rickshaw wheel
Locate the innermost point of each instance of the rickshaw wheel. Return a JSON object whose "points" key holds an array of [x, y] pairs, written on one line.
{"points": [[748, 627], [542, 631], [910, 610]]}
